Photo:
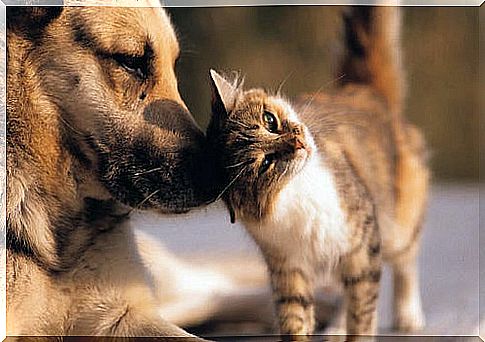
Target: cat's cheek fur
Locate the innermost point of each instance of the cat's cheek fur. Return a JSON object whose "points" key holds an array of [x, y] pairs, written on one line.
{"points": [[288, 109], [307, 224]]}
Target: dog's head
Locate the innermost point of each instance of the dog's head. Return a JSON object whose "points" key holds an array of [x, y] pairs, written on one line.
{"points": [[110, 73]]}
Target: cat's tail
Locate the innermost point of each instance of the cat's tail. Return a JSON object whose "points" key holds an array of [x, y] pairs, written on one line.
{"points": [[372, 54]]}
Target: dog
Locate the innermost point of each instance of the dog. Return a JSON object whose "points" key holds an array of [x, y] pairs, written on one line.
{"points": [[96, 128]]}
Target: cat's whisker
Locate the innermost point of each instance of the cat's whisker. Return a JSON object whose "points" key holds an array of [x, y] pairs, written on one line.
{"points": [[230, 184], [280, 87], [237, 123], [335, 79], [236, 165], [310, 101], [281, 137], [138, 206], [284, 172], [245, 137], [319, 90], [333, 119]]}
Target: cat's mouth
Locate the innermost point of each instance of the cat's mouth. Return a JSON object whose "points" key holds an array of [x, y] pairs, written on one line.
{"points": [[300, 160]]}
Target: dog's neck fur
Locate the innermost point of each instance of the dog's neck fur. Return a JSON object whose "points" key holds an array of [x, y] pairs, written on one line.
{"points": [[33, 228]]}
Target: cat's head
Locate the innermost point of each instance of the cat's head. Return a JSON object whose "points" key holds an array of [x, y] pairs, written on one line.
{"points": [[259, 144]]}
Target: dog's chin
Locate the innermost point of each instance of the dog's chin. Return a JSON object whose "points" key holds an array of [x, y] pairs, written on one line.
{"points": [[186, 190], [170, 212], [159, 200], [167, 209], [177, 208], [143, 176], [161, 206]]}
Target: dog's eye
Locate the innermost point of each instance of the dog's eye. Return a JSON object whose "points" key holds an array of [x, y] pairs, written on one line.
{"points": [[270, 121], [136, 65], [266, 163]]}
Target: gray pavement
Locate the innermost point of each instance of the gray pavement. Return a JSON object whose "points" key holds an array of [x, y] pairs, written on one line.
{"points": [[448, 262]]}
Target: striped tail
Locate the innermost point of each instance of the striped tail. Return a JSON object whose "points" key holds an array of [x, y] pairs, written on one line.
{"points": [[372, 52]]}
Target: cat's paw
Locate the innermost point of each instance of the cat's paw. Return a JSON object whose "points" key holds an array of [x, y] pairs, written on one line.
{"points": [[411, 321], [296, 338], [335, 330]]}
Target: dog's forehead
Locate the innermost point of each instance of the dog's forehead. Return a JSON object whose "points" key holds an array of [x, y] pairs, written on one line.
{"points": [[129, 27]]}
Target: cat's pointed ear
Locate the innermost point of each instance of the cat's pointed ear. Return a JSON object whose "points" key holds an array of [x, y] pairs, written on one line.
{"points": [[224, 93]]}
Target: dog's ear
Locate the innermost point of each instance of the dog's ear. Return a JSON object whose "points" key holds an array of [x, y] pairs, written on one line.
{"points": [[224, 94], [32, 19]]}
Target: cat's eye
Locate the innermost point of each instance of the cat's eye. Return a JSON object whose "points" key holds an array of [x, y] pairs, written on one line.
{"points": [[270, 121], [266, 163]]}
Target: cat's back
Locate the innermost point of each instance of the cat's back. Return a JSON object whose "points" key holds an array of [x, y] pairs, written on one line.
{"points": [[358, 137], [353, 124]]}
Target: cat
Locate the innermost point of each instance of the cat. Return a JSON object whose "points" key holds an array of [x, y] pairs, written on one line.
{"points": [[331, 183]]}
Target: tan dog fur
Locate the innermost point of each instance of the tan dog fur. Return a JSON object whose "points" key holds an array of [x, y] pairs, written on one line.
{"points": [[77, 121]]}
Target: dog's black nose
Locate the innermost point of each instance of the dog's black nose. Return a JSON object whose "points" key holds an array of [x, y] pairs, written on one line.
{"points": [[193, 174]]}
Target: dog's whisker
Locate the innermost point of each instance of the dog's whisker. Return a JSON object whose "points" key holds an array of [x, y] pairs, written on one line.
{"points": [[148, 171]]}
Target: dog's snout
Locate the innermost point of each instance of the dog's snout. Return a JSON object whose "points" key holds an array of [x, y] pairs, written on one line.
{"points": [[189, 163], [172, 116]]}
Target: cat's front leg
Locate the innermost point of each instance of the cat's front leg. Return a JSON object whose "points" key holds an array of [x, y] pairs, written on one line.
{"points": [[294, 301], [361, 273]]}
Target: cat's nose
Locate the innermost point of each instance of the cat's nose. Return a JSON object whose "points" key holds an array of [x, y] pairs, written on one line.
{"points": [[298, 143]]}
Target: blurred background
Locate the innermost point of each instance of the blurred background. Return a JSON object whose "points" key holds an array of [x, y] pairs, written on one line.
{"points": [[209, 273], [219, 284], [301, 44]]}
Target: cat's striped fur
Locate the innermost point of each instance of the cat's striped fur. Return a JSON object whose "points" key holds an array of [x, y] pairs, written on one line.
{"points": [[345, 186]]}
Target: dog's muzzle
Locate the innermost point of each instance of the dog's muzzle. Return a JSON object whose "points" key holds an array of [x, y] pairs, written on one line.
{"points": [[166, 166]]}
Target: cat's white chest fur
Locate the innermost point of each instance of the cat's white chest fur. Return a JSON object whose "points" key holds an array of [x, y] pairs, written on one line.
{"points": [[308, 225]]}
